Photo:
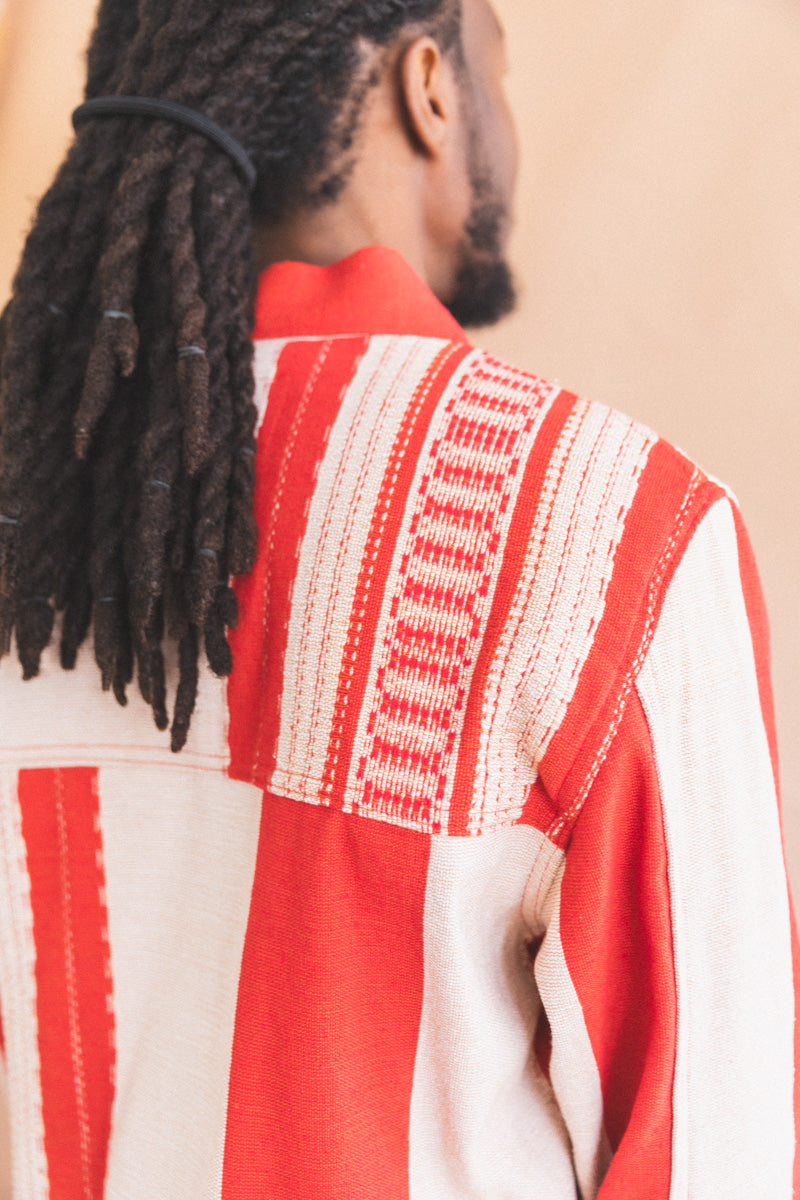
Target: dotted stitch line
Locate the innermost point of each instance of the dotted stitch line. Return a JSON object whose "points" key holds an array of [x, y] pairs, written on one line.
{"points": [[271, 533], [104, 930], [312, 664], [309, 789], [590, 572], [647, 637], [76, 1045]]}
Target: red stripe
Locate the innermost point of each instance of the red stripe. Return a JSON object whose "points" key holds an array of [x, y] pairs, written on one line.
{"points": [[376, 563], [60, 825], [304, 400], [329, 1007], [516, 550], [615, 897], [670, 501]]}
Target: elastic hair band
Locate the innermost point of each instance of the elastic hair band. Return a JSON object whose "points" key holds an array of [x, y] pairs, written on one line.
{"points": [[146, 106], [9, 521], [205, 553], [246, 452], [114, 314], [57, 310], [191, 352], [108, 600], [159, 483]]}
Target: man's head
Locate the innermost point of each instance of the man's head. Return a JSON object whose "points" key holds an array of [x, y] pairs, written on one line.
{"points": [[418, 152], [469, 160], [126, 463]]}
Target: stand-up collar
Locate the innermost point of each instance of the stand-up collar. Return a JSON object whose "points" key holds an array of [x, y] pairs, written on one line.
{"points": [[371, 291]]}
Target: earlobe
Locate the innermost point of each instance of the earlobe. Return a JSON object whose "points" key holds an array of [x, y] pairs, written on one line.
{"points": [[425, 94]]}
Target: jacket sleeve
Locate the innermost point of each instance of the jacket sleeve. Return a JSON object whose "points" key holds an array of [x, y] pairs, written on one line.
{"points": [[668, 969]]}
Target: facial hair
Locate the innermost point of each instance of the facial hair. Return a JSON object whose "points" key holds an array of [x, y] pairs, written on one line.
{"points": [[484, 289]]}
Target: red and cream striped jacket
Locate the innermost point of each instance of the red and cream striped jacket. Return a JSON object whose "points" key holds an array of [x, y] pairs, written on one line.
{"points": [[469, 884]]}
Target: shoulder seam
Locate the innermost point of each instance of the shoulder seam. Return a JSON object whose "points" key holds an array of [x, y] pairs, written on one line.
{"points": [[691, 512]]}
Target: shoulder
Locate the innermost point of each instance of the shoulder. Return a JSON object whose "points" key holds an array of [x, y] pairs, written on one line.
{"points": [[601, 512], [588, 471]]}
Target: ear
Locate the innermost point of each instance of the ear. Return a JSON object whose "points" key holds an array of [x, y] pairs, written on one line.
{"points": [[427, 95]]}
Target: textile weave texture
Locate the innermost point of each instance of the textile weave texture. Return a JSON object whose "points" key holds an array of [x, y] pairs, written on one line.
{"points": [[470, 880]]}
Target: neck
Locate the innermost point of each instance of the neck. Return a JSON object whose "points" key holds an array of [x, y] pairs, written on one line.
{"points": [[327, 235]]}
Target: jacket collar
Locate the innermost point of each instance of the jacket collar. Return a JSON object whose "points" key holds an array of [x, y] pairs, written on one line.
{"points": [[372, 291]]}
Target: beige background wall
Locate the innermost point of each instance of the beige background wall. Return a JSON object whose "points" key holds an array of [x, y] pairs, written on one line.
{"points": [[658, 241]]}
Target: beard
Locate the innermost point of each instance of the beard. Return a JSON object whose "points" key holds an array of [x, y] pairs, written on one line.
{"points": [[484, 290]]}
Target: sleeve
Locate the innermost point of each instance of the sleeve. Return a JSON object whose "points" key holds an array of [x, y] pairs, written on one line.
{"points": [[668, 969]]}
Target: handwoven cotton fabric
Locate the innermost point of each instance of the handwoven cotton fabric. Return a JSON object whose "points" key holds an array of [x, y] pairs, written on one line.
{"points": [[469, 884]]}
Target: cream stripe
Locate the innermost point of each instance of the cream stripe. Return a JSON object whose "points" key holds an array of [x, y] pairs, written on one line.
{"points": [[266, 356], [733, 1091], [63, 719], [348, 486], [179, 851], [588, 492], [18, 1002], [5, 1134], [573, 1069], [483, 1120]]}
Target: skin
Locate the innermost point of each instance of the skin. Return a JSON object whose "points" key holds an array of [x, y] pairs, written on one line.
{"points": [[432, 136]]}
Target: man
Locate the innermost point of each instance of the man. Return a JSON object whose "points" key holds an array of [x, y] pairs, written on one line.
{"points": [[468, 880]]}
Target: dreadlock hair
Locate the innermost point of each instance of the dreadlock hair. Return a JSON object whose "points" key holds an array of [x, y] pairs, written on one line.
{"points": [[126, 386]]}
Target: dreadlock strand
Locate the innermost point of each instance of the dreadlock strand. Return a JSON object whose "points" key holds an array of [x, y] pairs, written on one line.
{"points": [[241, 531], [189, 310], [117, 20], [57, 506], [116, 344], [35, 629], [74, 597], [209, 567], [187, 690], [158, 469], [110, 480]]}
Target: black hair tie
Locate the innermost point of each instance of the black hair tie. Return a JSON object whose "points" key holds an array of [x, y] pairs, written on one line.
{"points": [[144, 106]]}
